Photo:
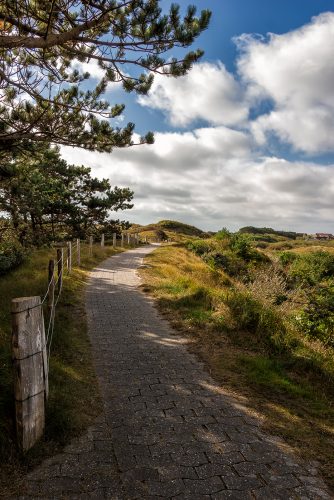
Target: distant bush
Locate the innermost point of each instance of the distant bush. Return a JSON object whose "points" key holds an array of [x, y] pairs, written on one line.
{"points": [[317, 319], [223, 234], [11, 255], [241, 244], [199, 247], [287, 258], [312, 268]]}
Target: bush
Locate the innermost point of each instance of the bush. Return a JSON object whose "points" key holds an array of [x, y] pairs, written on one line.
{"points": [[252, 316], [312, 268], [199, 247], [286, 258], [241, 245], [11, 255], [317, 319], [269, 286]]}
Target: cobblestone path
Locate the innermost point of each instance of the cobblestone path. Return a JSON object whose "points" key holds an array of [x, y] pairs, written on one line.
{"points": [[167, 429]]}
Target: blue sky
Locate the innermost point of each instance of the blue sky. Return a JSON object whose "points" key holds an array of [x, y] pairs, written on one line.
{"points": [[248, 136]]}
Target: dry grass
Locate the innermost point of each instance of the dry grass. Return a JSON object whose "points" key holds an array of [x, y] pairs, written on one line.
{"points": [[292, 390]]}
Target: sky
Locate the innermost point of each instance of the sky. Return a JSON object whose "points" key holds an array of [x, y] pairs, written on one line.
{"points": [[247, 136]]}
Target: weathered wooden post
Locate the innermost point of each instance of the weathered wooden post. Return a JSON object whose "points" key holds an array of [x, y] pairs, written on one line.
{"points": [[102, 240], [30, 369], [78, 252], [90, 250], [128, 238], [69, 256], [60, 260], [122, 241], [51, 294], [114, 240]]}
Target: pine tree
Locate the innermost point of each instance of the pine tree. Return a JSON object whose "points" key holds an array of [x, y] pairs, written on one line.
{"points": [[43, 92]]}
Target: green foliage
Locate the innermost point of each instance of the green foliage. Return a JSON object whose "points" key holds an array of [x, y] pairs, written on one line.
{"points": [[47, 198], [268, 230], [223, 234], [317, 319], [180, 227], [253, 317], [129, 42], [311, 268], [199, 247], [286, 258], [11, 255], [241, 245]]}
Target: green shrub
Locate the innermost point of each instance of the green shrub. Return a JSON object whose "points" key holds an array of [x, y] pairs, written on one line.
{"points": [[312, 268], [252, 316], [241, 245], [11, 255], [317, 319], [223, 234], [286, 258], [199, 247]]}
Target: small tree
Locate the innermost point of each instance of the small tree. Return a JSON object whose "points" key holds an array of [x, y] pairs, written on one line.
{"points": [[42, 43]]}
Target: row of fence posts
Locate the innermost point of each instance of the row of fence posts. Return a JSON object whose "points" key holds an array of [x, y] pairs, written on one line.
{"points": [[30, 342]]}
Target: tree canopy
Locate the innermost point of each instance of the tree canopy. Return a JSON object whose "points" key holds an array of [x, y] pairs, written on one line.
{"points": [[43, 89], [46, 198]]}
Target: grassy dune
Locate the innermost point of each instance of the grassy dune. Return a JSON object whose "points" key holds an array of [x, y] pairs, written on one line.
{"points": [[74, 397], [288, 381]]}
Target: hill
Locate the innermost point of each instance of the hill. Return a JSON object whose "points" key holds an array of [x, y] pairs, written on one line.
{"points": [[168, 229]]}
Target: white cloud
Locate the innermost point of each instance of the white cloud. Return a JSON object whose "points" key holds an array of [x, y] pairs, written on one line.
{"points": [[296, 71], [208, 92], [200, 179]]}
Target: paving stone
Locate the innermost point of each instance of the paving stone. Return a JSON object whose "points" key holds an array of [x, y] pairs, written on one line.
{"points": [[167, 429], [242, 483], [233, 495], [204, 486], [211, 470], [169, 488], [234, 457]]}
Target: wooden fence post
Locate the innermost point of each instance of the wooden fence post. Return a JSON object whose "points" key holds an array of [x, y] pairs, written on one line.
{"points": [[78, 252], [60, 260], [51, 294], [122, 241], [90, 250], [30, 369], [102, 240], [69, 256], [114, 240]]}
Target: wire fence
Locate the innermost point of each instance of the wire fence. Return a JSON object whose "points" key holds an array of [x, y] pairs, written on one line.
{"points": [[32, 340]]}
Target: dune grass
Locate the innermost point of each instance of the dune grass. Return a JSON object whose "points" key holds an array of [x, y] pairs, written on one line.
{"points": [[286, 379], [74, 398]]}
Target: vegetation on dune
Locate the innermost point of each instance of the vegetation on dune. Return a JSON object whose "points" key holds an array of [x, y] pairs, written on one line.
{"points": [[263, 321]]}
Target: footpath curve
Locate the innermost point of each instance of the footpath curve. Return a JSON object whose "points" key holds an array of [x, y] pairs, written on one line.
{"points": [[167, 429]]}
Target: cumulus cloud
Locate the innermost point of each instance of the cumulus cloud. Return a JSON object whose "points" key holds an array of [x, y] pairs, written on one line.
{"points": [[217, 175], [217, 185], [296, 72], [208, 92]]}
